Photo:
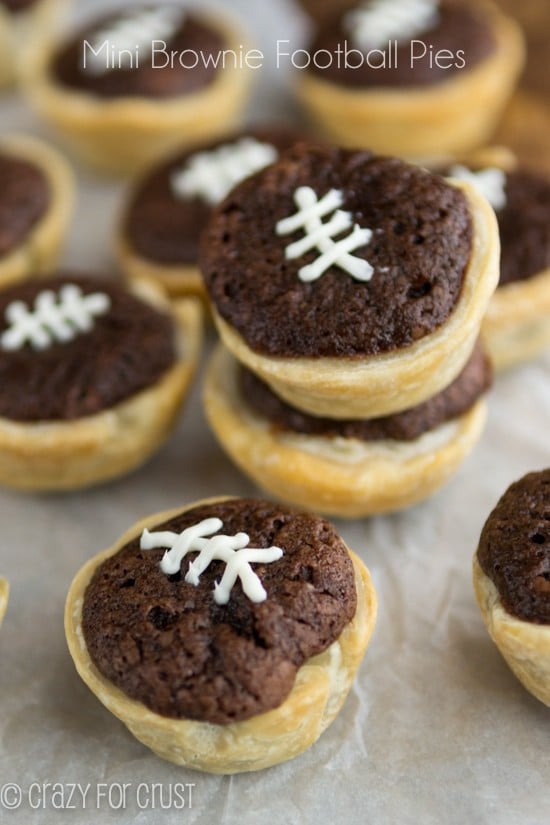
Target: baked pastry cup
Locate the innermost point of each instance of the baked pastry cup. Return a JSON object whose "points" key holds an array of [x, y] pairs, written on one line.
{"points": [[37, 250], [4, 596], [160, 226], [74, 449], [360, 384], [320, 687], [511, 571], [122, 134], [421, 122], [23, 30], [516, 327], [341, 476]]}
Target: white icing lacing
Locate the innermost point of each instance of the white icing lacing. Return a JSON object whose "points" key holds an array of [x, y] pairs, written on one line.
{"points": [[212, 175], [135, 30], [375, 23], [320, 236], [490, 182], [53, 318], [233, 550]]}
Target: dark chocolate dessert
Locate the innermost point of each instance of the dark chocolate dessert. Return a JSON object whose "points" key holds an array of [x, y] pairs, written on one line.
{"points": [[140, 73], [524, 226], [128, 348], [163, 225], [24, 198], [16, 6], [514, 548], [419, 252], [474, 380], [169, 645]]}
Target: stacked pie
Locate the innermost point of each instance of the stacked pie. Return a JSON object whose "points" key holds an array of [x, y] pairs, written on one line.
{"points": [[349, 291]]}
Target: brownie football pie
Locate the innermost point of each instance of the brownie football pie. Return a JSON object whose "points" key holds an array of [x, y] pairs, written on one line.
{"points": [[415, 78], [24, 26], [345, 468], [36, 200], [226, 634], [354, 285], [512, 580], [171, 203], [4, 596], [140, 82], [92, 376], [517, 325]]}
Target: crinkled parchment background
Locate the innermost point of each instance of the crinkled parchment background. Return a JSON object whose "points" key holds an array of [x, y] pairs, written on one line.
{"points": [[436, 728]]}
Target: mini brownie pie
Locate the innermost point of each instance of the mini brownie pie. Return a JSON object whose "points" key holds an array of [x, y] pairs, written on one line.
{"points": [[36, 199], [512, 580], [122, 99], [345, 468], [354, 285], [236, 658], [416, 78], [4, 596], [170, 205], [91, 378], [517, 325], [24, 26]]}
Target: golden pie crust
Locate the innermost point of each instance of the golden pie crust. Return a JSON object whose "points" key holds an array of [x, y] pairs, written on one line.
{"points": [[25, 31], [391, 382], [321, 687], [342, 477], [524, 645], [39, 251], [421, 123], [67, 455], [125, 134], [4, 596]]}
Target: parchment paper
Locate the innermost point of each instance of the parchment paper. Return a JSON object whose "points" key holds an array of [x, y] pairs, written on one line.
{"points": [[436, 729]]}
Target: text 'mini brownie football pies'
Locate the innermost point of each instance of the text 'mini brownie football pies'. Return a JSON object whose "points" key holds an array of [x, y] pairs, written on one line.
{"points": [[92, 377], [36, 200], [415, 78], [171, 203], [512, 580], [226, 634], [354, 285], [141, 82]]}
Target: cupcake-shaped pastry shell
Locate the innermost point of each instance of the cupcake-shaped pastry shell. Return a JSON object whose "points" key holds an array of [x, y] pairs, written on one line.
{"points": [[4, 596], [36, 201], [344, 468], [455, 113], [275, 698], [90, 384], [336, 345], [511, 572], [25, 25], [121, 119]]}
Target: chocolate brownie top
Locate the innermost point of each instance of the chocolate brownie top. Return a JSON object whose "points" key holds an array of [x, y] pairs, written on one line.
{"points": [[15, 6], [420, 249], [164, 226], [128, 349], [524, 226], [514, 548], [459, 27], [150, 78], [474, 380], [169, 645], [24, 198]]}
